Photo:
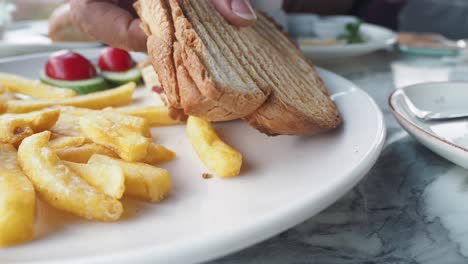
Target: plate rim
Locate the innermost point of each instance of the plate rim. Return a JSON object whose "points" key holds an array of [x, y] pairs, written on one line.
{"points": [[56, 45], [30, 25], [265, 227], [401, 117]]}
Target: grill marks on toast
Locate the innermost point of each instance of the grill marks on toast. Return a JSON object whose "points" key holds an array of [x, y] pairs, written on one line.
{"points": [[218, 78], [194, 102], [191, 99], [221, 72], [245, 54], [269, 26], [224, 34], [285, 60], [285, 64], [312, 102], [218, 50]]}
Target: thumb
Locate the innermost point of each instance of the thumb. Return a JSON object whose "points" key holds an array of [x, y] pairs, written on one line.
{"points": [[237, 12]]}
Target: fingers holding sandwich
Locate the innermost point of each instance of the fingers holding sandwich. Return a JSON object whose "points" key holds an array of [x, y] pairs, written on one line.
{"points": [[109, 22], [114, 21], [237, 12]]}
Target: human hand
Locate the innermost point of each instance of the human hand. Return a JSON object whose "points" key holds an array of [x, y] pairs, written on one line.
{"points": [[237, 12], [115, 22]]}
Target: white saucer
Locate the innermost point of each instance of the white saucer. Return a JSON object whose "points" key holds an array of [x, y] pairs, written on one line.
{"points": [[449, 139]]}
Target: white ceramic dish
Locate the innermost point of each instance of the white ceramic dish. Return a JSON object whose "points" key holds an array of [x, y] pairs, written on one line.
{"points": [[285, 180], [376, 38], [31, 37], [447, 138]]}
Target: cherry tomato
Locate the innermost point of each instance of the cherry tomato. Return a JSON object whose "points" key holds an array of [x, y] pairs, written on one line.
{"points": [[69, 66], [115, 60]]}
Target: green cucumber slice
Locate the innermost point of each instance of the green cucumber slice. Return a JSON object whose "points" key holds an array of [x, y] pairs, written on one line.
{"points": [[81, 87], [119, 78]]}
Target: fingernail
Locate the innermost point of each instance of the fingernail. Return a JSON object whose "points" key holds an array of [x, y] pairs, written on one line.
{"points": [[243, 9]]}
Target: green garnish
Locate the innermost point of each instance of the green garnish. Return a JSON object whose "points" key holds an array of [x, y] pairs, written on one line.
{"points": [[352, 36]]}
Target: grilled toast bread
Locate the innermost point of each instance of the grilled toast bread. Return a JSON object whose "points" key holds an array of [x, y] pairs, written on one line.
{"points": [[216, 71]]}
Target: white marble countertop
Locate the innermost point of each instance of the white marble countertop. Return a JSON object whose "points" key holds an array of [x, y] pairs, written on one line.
{"points": [[408, 209]]}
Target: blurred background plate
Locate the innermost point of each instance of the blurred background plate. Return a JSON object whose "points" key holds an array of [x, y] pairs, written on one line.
{"points": [[303, 27], [28, 37]]}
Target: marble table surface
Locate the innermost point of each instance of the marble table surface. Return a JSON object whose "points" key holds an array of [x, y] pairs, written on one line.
{"points": [[410, 208]]}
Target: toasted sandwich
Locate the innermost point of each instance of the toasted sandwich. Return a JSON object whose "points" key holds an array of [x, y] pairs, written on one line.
{"points": [[214, 70]]}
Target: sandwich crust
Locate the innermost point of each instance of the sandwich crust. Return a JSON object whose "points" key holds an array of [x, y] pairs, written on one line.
{"points": [[277, 117], [192, 101], [157, 24]]}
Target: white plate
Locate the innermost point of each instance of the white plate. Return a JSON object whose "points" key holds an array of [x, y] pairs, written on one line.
{"points": [[449, 139], [376, 37], [31, 37], [285, 180]]}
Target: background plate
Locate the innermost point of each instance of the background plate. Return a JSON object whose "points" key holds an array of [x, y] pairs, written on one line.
{"points": [[31, 37], [376, 37]]}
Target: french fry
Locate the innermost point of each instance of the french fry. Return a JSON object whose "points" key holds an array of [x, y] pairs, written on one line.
{"points": [[66, 142], [127, 141], [4, 98], [156, 115], [8, 96], [107, 178], [3, 104], [67, 125], [40, 120], [220, 158], [157, 154], [151, 79], [59, 186], [15, 127], [109, 98], [76, 111], [135, 123], [83, 153], [36, 89], [17, 200], [109, 122], [132, 123], [141, 180]]}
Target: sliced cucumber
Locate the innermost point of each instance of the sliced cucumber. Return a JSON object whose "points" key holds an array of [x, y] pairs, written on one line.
{"points": [[81, 87], [119, 78]]}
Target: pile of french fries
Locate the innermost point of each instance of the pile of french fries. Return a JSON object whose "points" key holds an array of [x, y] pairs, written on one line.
{"points": [[82, 154]]}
